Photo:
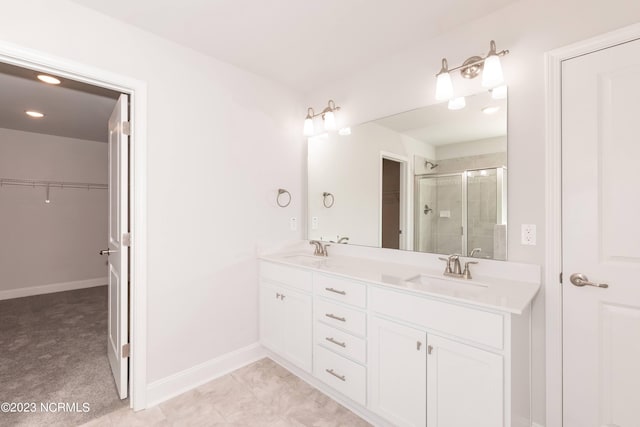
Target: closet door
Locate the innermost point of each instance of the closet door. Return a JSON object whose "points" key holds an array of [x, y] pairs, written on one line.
{"points": [[118, 251]]}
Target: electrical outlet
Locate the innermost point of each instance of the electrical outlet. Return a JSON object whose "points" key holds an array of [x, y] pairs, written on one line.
{"points": [[293, 223], [528, 234], [314, 223]]}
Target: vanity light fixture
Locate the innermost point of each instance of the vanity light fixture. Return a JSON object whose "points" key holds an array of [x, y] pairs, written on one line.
{"points": [[48, 79], [457, 103], [489, 66], [499, 92], [34, 114], [328, 116]]}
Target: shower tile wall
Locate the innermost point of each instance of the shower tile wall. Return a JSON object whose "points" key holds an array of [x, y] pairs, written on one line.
{"points": [[481, 212]]}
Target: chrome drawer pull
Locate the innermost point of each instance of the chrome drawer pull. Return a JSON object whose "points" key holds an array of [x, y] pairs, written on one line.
{"points": [[340, 377], [331, 340], [335, 291], [333, 316]]}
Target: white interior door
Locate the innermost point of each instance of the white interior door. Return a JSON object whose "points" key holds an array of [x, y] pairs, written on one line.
{"points": [[118, 252], [601, 237]]}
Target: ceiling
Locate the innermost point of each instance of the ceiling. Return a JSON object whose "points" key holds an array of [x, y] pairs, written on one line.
{"points": [[72, 109], [437, 125], [296, 42]]}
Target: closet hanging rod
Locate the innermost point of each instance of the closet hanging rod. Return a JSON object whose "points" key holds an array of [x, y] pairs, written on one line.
{"points": [[52, 184]]}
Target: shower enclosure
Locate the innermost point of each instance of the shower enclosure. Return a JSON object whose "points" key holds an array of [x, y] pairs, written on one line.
{"points": [[459, 212]]}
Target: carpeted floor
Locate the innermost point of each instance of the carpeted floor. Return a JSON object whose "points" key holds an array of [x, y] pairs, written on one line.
{"points": [[53, 349]]}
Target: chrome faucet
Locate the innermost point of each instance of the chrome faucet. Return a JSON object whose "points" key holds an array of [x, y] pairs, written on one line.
{"points": [[453, 268], [343, 240], [474, 251], [320, 248]]}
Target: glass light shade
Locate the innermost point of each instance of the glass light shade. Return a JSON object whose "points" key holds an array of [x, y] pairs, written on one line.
{"points": [[499, 92], [492, 72], [457, 103], [444, 87], [329, 121], [308, 127]]}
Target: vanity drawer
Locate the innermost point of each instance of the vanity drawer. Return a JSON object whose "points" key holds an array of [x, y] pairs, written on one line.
{"points": [[339, 289], [291, 276], [340, 316], [475, 325], [341, 342], [345, 376]]}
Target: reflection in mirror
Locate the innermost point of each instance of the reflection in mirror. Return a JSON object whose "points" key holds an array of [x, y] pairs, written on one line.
{"points": [[429, 180]]}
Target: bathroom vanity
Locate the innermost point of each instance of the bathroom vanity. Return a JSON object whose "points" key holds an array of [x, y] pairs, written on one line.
{"points": [[400, 344]]}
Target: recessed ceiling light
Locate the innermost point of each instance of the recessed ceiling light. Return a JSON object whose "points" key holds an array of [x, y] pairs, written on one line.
{"points": [[48, 79], [34, 114], [490, 109]]}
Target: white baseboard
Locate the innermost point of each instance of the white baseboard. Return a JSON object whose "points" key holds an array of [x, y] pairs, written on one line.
{"points": [[51, 288], [181, 382]]}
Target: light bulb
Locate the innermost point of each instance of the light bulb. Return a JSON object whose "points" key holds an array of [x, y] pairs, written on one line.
{"points": [[444, 87], [308, 127], [34, 114], [499, 92], [492, 72], [457, 103], [329, 120]]}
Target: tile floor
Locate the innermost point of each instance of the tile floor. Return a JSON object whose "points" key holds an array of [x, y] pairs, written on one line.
{"points": [[260, 394]]}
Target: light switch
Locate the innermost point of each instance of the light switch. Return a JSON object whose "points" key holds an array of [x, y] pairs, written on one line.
{"points": [[314, 223], [293, 223], [445, 214]]}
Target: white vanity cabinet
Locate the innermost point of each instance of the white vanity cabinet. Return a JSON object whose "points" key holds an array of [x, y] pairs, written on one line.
{"points": [[398, 372], [286, 313], [340, 331], [399, 356]]}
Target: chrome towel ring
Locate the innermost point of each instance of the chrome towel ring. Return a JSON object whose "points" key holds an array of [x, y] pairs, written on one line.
{"points": [[282, 191], [325, 196]]}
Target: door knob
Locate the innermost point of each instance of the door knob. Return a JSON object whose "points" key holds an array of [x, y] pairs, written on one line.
{"points": [[579, 279], [105, 252]]}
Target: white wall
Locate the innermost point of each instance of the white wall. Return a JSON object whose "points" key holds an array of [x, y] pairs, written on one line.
{"points": [[349, 168], [528, 29], [57, 242], [221, 142]]}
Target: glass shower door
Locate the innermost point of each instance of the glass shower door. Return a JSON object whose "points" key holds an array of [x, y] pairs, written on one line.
{"points": [[440, 214]]}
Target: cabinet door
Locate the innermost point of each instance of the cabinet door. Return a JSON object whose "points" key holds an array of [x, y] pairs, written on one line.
{"points": [[298, 327], [271, 317], [397, 373], [464, 385]]}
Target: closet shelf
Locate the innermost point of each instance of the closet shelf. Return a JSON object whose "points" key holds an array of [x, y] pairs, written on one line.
{"points": [[52, 184]]}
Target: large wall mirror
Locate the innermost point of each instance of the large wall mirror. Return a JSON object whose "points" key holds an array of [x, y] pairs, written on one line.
{"points": [[432, 179]]}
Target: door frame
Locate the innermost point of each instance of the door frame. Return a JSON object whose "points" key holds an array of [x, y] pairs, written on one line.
{"points": [[553, 218], [137, 91], [406, 202]]}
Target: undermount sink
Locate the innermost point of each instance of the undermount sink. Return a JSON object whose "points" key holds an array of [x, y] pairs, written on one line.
{"points": [[446, 284]]}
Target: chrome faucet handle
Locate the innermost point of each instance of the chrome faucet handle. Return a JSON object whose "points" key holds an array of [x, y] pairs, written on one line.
{"points": [[448, 261], [466, 274], [316, 244], [324, 249]]}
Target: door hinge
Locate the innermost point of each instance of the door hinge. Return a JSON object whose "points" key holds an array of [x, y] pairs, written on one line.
{"points": [[126, 128], [126, 239], [126, 350], [560, 278]]}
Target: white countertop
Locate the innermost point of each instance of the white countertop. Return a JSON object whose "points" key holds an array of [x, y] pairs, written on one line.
{"points": [[495, 293]]}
